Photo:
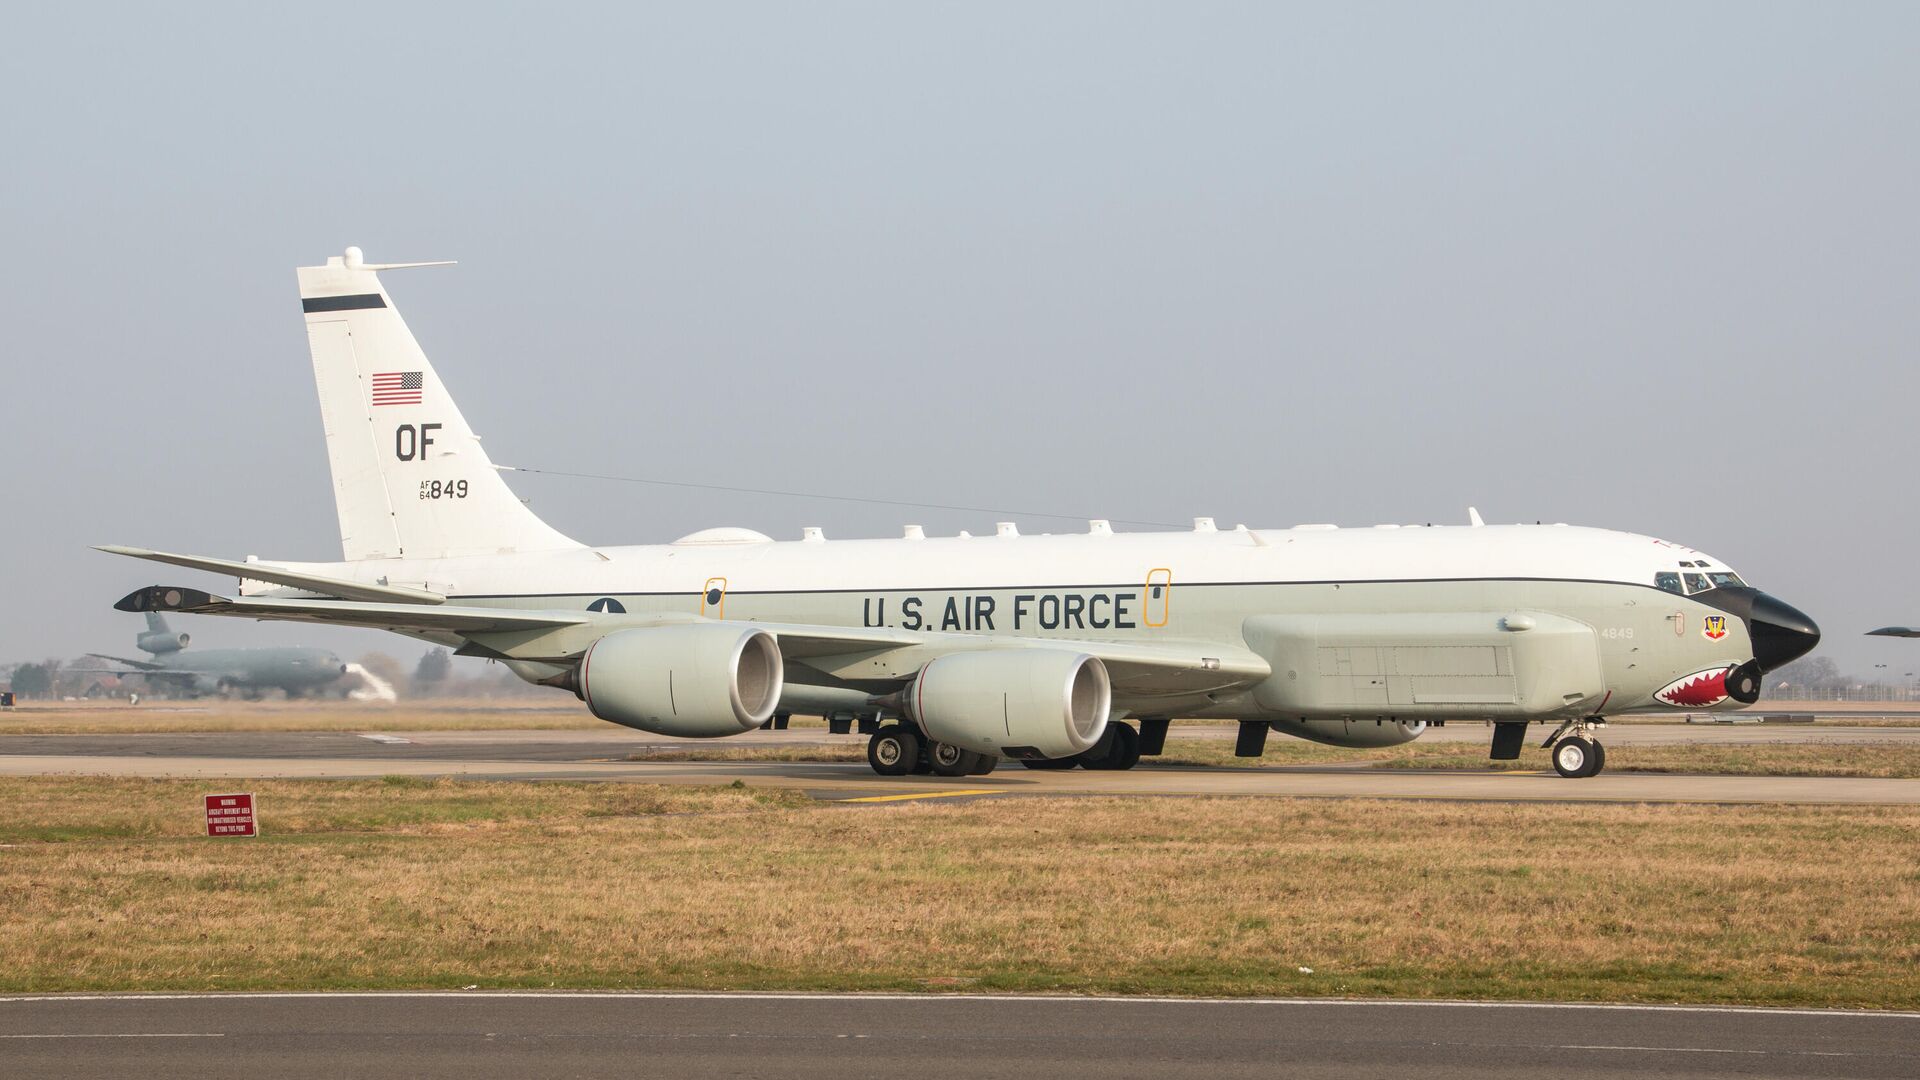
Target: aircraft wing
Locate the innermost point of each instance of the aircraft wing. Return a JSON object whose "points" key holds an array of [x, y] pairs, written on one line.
{"points": [[884, 653], [402, 617], [1894, 631], [879, 654], [139, 665], [346, 590]]}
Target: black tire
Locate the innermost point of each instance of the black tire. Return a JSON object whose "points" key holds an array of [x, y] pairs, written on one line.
{"points": [[1599, 758], [1050, 763], [985, 765], [1573, 757], [1128, 746], [1118, 749], [893, 750], [1100, 755], [947, 759]]}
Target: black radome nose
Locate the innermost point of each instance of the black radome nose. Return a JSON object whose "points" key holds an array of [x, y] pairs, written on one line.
{"points": [[1781, 632]]}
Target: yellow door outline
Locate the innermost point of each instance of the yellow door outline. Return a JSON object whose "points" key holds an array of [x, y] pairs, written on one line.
{"points": [[1159, 596], [713, 598]]}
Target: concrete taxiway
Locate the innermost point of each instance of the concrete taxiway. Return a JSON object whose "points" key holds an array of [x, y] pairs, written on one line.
{"points": [[592, 755], [481, 1036]]}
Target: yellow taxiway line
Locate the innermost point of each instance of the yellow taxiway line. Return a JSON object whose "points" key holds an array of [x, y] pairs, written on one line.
{"points": [[928, 795]]}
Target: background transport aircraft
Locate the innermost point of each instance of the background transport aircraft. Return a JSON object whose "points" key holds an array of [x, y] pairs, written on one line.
{"points": [[1045, 649], [204, 671], [1894, 631]]}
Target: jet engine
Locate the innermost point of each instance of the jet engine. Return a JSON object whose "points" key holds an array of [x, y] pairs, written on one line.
{"points": [[1019, 703], [162, 641], [698, 680], [1356, 733]]}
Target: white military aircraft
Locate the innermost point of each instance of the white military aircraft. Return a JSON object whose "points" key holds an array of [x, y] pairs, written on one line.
{"points": [[1045, 649]]}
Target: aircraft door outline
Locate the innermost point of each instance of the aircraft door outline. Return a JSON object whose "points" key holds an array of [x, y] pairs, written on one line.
{"points": [[713, 598], [1159, 597]]}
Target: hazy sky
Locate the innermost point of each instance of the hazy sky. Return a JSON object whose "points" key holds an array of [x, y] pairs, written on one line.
{"points": [[1653, 267]]}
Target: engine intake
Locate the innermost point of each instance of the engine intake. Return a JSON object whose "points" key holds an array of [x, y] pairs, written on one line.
{"points": [[1020, 703], [699, 680]]}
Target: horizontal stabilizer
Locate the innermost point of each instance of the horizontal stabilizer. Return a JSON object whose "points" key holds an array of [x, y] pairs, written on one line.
{"points": [[403, 618], [346, 590], [1894, 631]]}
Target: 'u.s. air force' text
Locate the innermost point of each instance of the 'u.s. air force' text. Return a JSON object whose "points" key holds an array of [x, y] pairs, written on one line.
{"points": [[1026, 611]]}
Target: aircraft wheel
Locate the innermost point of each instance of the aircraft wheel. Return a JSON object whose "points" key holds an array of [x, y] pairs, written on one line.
{"points": [[893, 750], [949, 760], [1599, 758], [1118, 749], [1050, 763], [985, 765], [1573, 757]]}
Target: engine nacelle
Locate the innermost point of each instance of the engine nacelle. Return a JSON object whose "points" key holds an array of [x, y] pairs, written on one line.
{"points": [[157, 642], [1355, 733], [1020, 703], [697, 680]]}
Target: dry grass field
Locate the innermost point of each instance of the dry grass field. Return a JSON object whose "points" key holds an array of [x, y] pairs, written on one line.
{"points": [[105, 884]]}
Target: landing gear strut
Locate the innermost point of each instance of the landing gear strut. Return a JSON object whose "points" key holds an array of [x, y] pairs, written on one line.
{"points": [[1579, 753]]}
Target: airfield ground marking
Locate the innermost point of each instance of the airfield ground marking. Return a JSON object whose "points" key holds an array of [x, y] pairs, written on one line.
{"points": [[129, 1035], [927, 795]]}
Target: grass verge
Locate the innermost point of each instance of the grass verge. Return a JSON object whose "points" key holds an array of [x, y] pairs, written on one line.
{"points": [[104, 885]]}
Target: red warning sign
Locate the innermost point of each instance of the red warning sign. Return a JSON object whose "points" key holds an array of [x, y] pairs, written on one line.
{"points": [[230, 815]]}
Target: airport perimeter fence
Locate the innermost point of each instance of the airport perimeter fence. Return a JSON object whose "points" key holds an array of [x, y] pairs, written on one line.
{"points": [[1861, 692]]}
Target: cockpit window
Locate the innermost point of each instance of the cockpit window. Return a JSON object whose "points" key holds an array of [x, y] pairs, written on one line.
{"points": [[1697, 583], [1726, 577], [1668, 580]]}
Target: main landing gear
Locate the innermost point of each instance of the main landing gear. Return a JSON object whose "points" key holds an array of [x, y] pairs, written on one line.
{"points": [[1578, 753], [1118, 749], [897, 750]]}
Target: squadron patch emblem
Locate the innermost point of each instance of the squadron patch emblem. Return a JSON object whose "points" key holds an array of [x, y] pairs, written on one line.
{"points": [[1714, 628]]}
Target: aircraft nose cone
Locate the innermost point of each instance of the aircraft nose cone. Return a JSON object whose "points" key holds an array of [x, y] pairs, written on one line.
{"points": [[1781, 632]]}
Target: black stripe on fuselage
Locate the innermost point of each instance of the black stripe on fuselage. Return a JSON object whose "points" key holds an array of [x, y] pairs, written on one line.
{"points": [[311, 304]]}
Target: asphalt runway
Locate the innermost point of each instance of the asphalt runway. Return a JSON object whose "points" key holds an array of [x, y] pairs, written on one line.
{"points": [[594, 755], [481, 1036]]}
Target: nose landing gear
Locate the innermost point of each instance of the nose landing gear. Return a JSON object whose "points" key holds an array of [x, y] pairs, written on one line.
{"points": [[1579, 753]]}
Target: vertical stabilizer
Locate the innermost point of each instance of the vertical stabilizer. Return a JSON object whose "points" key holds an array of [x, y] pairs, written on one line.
{"points": [[409, 477]]}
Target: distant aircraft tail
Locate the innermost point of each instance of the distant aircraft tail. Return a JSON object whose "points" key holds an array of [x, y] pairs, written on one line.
{"points": [[410, 479]]}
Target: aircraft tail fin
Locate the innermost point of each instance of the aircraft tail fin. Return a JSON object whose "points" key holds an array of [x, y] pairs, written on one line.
{"points": [[157, 623], [410, 479]]}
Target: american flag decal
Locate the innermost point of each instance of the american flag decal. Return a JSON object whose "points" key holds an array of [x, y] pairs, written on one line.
{"points": [[397, 387]]}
